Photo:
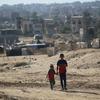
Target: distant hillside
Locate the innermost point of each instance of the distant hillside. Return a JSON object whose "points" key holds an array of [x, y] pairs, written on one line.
{"points": [[51, 10]]}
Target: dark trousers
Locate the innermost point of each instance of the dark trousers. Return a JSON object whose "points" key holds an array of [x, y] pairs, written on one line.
{"points": [[52, 83], [63, 80]]}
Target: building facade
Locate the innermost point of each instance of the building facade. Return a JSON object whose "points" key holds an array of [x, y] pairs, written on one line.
{"points": [[76, 23], [8, 36]]}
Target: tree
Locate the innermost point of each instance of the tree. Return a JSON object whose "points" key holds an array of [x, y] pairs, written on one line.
{"points": [[65, 29], [87, 19], [88, 27], [14, 15], [34, 15], [98, 30], [18, 22]]}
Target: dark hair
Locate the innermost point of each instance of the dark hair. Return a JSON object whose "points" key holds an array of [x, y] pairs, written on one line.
{"points": [[51, 66], [61, 55]]}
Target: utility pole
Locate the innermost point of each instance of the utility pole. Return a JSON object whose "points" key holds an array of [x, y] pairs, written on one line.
{"points": [[81, 35], [5, 45]]}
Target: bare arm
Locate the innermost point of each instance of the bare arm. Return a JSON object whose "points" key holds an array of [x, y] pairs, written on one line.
{"points": [[57, 69], [66, 63]]}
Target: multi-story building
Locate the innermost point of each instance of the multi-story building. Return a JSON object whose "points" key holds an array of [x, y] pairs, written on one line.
{"points": [[8, 36], [76, 23], [26, 26], [36, 26]]}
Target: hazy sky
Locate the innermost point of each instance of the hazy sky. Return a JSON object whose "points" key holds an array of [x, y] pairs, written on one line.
{"points": [[38, 1]]}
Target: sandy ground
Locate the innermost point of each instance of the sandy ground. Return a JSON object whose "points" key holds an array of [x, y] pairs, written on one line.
{"points": [[24, 78]]}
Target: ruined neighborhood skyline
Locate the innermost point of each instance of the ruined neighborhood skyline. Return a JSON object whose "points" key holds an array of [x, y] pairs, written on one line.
{"points": [[12, 2]]}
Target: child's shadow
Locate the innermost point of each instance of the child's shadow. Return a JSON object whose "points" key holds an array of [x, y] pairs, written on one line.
{"points": [[78, 91]]}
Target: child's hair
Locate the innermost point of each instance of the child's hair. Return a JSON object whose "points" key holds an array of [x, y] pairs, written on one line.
{"points": [[52, 66], [61, 55]]}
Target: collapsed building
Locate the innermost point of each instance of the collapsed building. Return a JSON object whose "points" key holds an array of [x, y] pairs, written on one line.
{"points": [[8, 36]]}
